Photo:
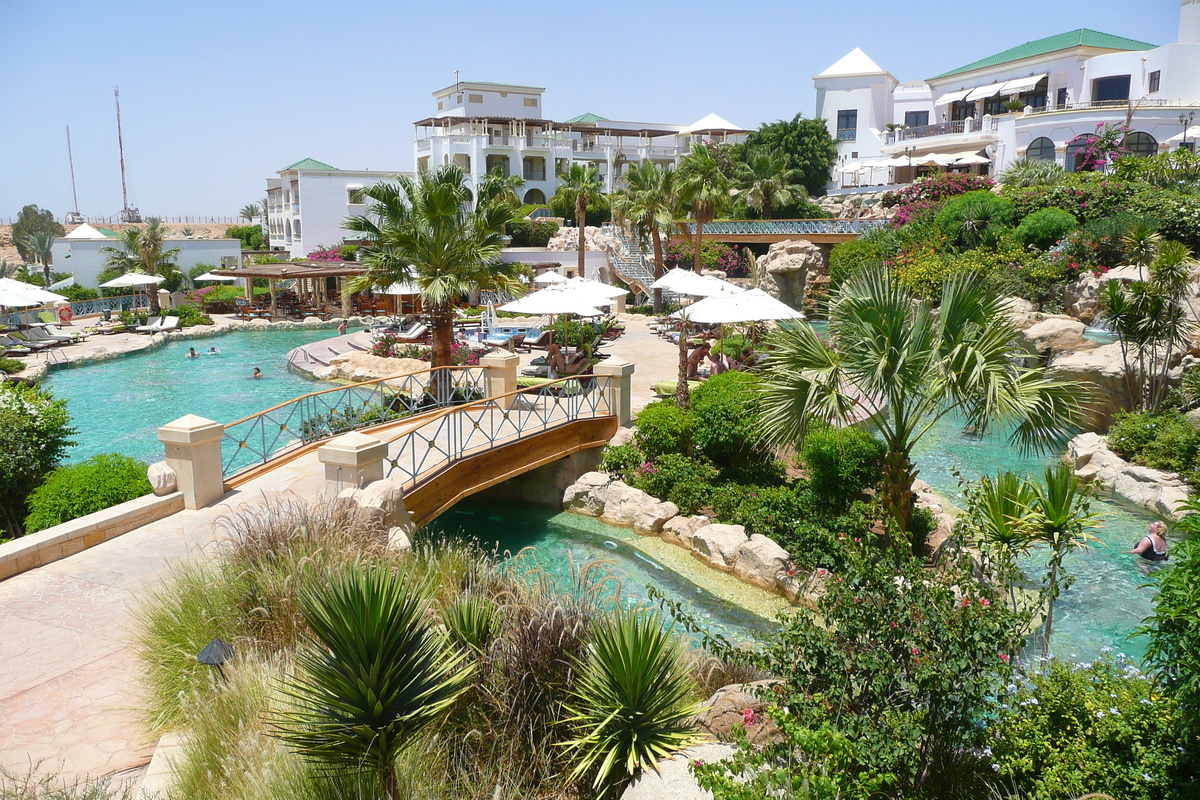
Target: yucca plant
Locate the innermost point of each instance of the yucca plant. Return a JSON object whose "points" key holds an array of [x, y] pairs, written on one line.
{"points": [[373, 673], [471, 622], [630, 706], [1027, 172]]}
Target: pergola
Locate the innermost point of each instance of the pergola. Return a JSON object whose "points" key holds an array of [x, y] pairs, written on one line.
{"points": [[306, 274]]}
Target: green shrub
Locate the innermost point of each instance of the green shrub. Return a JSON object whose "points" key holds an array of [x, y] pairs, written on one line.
{"points": [[11, 366], [842, 463], [250, 235], [93, 485], [35, 432], [663, 428], [189, 315], [76, 293], [660, 475], [1166, 440], [537, 233], [1045, 228], [1026, 172], [773, 511], [1099, 727], [598, 211], [690, 496], [348, 252], [726, 429], [1087, 195], [850, 256], [1175, 213], [621, 461], [969, 219]]}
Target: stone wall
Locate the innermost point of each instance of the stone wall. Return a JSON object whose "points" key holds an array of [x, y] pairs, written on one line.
{"points": [[867, 205], [1154, 490]]}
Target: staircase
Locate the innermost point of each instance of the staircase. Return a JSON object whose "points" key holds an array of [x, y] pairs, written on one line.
{"points": [[630, 263]]}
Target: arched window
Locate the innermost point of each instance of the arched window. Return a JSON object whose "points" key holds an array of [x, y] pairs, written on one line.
{"points": [[1140, 144], [296, 228], [287, 228], [1074, 154], [1040, 149], [535, 197]]}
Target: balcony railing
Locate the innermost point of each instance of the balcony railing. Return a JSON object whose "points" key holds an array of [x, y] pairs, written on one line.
{"points": [[498, 141], [422, 144], [1111, 105], [847, 134]]}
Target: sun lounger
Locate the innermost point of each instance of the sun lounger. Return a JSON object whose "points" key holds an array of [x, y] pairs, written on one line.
{"points": [[413, 334], [45, 335], [151, 328], [13, 347], [668, 388], [34, 344], [541, 340], [169, 324]]}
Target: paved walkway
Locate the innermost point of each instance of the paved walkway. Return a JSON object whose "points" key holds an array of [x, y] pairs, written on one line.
{"points": [[68, 687]]}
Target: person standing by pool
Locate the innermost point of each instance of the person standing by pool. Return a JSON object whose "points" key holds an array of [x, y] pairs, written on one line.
{"points": [[1153, 546], [342, 326], [257, 373]]}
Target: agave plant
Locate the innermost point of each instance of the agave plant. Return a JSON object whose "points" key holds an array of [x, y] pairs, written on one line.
{"points": [[373, 673], [630, 706]]}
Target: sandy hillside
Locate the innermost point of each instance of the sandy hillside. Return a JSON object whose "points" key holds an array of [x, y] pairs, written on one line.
{"points": [[9, 250]]}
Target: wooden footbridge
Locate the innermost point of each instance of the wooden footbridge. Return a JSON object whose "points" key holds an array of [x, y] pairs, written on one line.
{"points": [[449, 433]]}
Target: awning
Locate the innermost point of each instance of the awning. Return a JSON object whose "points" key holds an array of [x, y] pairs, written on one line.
{"points": [[1018, 85], [984, 92], [952, 97]]}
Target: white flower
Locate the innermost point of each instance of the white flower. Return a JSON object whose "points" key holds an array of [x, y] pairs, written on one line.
{"points": [[1114, 712], [1099, 715]]}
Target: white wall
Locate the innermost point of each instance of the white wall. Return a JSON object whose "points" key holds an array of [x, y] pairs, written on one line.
{"points": [[86, 260], [495, 103]]}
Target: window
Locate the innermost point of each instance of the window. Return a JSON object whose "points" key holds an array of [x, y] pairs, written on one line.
{"points": [[474, 98], [915, 119], [847, 125], [1140, 144], [296, 228], [1155, 81], [1060, 99], [1110, 89], [354, 196], [995, 105], [535, 197], [498, 162], [960, 110], [439, 105], [1040, 149], [1074, 156], [531, 102], [534, 168], [458, 99]]}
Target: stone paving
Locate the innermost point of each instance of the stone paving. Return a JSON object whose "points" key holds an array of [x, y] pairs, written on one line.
{"points": [[68, 689]]}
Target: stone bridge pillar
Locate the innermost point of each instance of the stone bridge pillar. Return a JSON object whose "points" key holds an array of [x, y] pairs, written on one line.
{"points": [[193, 451], [351, 462], [501, 372], [618, 387]]}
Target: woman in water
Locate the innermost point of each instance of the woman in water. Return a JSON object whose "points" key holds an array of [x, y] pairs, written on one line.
{"points": [[212, 351], [1153, 546], [257, 373]]}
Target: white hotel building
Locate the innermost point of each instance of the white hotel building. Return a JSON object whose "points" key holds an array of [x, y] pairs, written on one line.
{"points": [[1029, 101], [483, 126]]}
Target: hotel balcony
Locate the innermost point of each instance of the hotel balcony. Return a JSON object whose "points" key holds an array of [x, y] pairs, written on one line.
{"points": [[956, 133]]}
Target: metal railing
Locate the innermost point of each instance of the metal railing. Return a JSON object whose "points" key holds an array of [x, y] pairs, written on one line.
{"points": [[126, 302], [254, 440], [847, 134], [421, 453], [1112, 105], [925, 131], [797, 227]]}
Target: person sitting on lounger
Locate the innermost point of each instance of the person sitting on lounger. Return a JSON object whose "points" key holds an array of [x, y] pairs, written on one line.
{"points": [[561, 367], [695, 358]]}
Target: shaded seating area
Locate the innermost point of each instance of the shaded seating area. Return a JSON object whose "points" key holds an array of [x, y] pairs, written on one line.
{"points": [[304, 288]]}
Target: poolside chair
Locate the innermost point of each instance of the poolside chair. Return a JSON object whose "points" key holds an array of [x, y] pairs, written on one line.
{"points": [[35, 344], [151, 327], [413, 334], [45, 335], [12, 347], [168, 324], [541, 340]]}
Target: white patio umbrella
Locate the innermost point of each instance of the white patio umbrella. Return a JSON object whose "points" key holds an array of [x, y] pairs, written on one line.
{"points": [[551, 301], [208, 276], [684, 281], [972, 158], [549, 277], [754, 305], [132, 279], [15, 298], [597, 293], [401, 288], [17, 289]]}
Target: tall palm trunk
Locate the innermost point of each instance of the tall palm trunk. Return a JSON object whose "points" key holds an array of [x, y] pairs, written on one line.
{"points": [[682, 399], [581, 221], [896, 495], [46, 273], [1050, 608], [656, 237], [699, 243], [442, 322]]}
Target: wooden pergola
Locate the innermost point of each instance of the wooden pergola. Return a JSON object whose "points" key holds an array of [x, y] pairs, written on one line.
{"points": [[308, 276]]}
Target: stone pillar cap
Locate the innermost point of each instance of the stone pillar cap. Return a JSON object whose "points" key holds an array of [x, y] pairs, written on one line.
{"points": [[614, 367], [190, 429], [499, 359], [352, 450]]}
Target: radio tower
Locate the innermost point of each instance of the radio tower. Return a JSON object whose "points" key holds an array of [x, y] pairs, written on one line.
{"points": [[127, 214]]}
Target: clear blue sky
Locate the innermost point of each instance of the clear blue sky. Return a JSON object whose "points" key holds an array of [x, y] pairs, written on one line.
{"points": [[216, 96]]}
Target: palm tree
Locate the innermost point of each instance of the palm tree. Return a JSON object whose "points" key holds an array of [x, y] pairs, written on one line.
{"points": [[10, 269], [141, 250], [373, 673], [1026, 172], [581, 185], [703, 187], [899, 365], [1063, 520], [999, 514], [768, 183], [1141, 245], [648, 205], [423, 230], [250, 212], [496, 187], [40, 245]]}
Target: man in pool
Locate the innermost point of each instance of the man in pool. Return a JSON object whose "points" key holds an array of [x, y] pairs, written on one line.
{"points": [[192, 353], [257, 373], [1153, 546]]}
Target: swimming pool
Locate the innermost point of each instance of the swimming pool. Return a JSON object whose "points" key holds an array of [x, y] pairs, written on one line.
{"points": [[118, 404]]}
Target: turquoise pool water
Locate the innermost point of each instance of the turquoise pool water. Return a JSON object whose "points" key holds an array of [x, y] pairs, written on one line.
{"points": [[118, 404], [563, 541]]}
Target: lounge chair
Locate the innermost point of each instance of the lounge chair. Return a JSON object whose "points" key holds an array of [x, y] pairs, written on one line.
{"points": [[668, 388], [541, 340], [46, 335], [151, 328], [413, 334], [169, 324], [10, 346], [35, 344]]}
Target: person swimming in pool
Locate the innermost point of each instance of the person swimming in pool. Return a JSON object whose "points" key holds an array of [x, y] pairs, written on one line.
{"points": [[257, 373], [212, 351], [192, 353], [1153, 546]]}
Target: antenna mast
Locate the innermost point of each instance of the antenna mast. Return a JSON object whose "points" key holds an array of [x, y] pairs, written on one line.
{"points": [[127, 214], [74, 217]]}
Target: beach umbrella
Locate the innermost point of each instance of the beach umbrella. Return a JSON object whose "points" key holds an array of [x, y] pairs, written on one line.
{"points": [[208, 276], [64, 283], [401, 288], [38, 295], [552, 301], [593, 292], [547, 278], [754, 305], [972, 158], [684, 281], [132, 279], [15, 298]]}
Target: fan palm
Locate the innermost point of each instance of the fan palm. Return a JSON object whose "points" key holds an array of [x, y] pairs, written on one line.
{"points": [[1027, 172], [374, 671], [901, 365], [40, 245], [768, 183], [496, 187], [703, 187], [630, 706], [1001, 514], [141, 250], [581, 185], [648, 205], [11, 269], [423, 230], [250, 212]]}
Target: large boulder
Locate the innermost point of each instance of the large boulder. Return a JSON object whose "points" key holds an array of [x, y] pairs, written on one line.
{"points": [[588, 495], [1154, 490], [1056, 334], [673, 780], [385, 498], [162, 478], [744, 705], [1082, 295], [679, 530], [628, 507], [719, 544], [796, 272], [1102, 369], [762, 562], [622, 436]]}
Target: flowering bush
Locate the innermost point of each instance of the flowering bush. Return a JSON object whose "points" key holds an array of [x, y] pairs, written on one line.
{"points": [[713, 256], [1087, 195], [664, 474], [388, 345], [1096, 727], [1101, 148], [323, 253], [664, 428], [1164, 440], [924, 195]]}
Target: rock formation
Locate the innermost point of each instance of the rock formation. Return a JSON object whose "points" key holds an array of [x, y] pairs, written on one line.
{"points": [[796, 272], [1154, 490]]}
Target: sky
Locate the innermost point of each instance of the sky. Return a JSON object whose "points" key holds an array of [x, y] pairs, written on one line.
{"points": [[217, 96]]}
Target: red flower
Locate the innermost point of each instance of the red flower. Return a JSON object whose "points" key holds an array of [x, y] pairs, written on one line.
{"points": [[914, 651], [1004, 656], [983, 601]]}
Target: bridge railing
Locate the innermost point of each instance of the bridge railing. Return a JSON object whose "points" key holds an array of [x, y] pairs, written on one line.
{"points": [[256, 439], [796, 227], [418, 454]]}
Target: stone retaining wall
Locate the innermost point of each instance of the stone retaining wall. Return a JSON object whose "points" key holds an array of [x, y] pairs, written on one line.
{"points": [[52, 544]]}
